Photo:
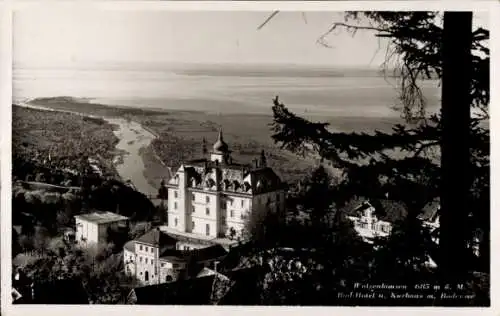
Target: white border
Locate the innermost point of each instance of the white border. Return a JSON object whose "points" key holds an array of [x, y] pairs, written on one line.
{"points": [[5, 150], [5, 124]]}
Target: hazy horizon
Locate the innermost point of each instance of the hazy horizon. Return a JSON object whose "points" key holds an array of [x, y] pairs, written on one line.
{"points": [[71, 38]]}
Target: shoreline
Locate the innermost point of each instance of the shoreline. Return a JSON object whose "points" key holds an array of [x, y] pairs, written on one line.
{"points": [[121, 126]]}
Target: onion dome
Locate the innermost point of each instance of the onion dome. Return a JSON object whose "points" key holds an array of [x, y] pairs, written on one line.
{"points": [[220, 146]]}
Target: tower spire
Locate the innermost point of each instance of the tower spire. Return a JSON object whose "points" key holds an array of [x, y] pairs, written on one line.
{"points": [[220, 137], [220, 146]]}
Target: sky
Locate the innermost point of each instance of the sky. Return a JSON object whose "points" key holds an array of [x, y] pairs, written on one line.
{"points": [[73, 37]]}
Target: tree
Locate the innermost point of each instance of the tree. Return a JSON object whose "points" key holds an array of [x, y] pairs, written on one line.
{"points": [[420, 48]]}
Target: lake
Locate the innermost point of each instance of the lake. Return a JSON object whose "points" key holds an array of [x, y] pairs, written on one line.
{"points": [[222, 88]]}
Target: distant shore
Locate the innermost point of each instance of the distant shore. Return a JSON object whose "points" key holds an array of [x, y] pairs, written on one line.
{"points": [[179, 134]]}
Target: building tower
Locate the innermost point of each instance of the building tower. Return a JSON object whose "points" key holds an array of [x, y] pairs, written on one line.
{"points": [[220, 152]]}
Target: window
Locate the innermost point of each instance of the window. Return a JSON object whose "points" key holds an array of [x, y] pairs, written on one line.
{"points": [[176, 194], [146, 248], [207, 228], [207, 211], [193, 197], [146, 276], [140, 247], [242, 202], [231, 213], [175, 205], [207, 199], [162, 265], [146, 260], [192, 210], [152, 250], [152, 262], [168, 278], [175, 221], [140, 259], [192, 224], [231, 202]]}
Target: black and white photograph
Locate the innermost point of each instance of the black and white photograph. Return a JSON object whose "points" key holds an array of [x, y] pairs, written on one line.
{"points": [[239, 157]]}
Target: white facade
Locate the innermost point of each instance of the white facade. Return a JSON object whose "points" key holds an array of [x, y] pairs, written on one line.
{"points": [[215, 197], [93, 228], [147, 263], [129, 259], [368, 226]]}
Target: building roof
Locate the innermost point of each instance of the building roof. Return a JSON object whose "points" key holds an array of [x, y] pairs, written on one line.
{"points": [[196, 291], [130, 246], [157, 238], [197, 238], [220, 146], [227, 175], [101, 217], [173, 255], [430, 211], [386, 210], [208, 253], [363, 206], [198, 255], [204, 162], [205, 272]]}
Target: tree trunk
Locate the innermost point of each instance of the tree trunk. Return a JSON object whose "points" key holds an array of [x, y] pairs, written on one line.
{"points": [[455, 154]]}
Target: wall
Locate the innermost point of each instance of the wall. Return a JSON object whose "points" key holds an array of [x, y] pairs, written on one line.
{"points": [[146, 260], [185, 245], [174, 212], [129, 260], [87, 230], [239, 212], [172, 269], [200, 218]]}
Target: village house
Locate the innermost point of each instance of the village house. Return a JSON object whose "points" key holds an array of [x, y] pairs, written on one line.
{"points": [[94, 228], [153, 258], [368, 225], [213, 197]]}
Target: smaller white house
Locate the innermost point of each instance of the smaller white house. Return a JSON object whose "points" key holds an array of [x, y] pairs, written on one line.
{"points": [[367, 225], [93, 228]]}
